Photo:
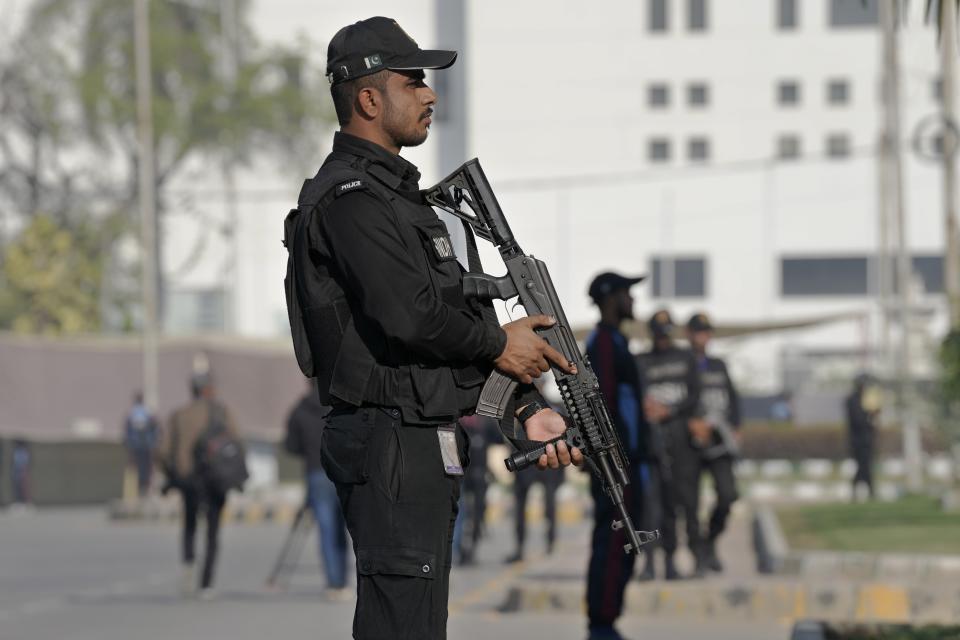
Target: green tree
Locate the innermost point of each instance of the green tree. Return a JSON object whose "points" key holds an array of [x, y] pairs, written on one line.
{"points": [[68, 148], [52, 275]]}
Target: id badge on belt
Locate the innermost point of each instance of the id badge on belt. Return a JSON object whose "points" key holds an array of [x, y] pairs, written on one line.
{"points": [[448, 449]]}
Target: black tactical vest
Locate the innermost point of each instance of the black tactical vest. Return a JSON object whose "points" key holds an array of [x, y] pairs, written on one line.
{"points": [[352, 360]]}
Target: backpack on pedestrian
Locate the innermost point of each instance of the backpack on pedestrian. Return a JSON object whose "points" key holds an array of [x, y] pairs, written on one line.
{"points": [[220, 457]]}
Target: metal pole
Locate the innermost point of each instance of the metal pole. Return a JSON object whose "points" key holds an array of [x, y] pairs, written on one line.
{"points": [[146, 192], [948, 68], [883, 361], [911, 431], [229, 28]]}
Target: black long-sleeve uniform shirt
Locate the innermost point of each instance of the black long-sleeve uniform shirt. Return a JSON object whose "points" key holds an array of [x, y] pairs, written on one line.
{"points": [[719, 400], [378, 253]]}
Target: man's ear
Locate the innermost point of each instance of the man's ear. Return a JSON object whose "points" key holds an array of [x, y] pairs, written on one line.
{"points": [[369, 102]]}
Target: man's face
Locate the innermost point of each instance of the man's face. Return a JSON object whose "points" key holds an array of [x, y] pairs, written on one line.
{"points": [[408, 107], [699, 339], [624, 304]]}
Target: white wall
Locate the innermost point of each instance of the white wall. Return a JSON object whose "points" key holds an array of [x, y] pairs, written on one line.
{"points": [[559, 118]]}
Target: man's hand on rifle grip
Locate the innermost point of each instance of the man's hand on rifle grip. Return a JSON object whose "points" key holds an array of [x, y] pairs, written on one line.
{"points": [[526, 355], [547, 425]]}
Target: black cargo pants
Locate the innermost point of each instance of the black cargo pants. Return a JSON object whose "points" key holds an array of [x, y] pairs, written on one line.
{"points": [[679, 488], [725, 486], [400, 507]]}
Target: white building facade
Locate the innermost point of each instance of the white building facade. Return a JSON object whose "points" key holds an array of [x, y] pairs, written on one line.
{"points": [[729, 148]]}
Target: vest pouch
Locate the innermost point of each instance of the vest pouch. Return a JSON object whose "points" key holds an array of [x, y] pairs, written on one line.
{"points": [[325, 327], [298, 331], [444, 268], [351, 365], [301, 343], [436, 392]]}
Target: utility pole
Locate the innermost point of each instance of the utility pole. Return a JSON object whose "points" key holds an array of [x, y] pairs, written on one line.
{"points": [[894, 175], [948, 68], [146, 193], [229, 27]]}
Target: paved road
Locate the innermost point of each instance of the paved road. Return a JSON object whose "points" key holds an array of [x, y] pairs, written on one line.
{"points": [[72, 574]]}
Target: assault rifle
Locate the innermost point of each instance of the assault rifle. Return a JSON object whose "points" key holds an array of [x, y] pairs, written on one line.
{"points": [[467, 195]]}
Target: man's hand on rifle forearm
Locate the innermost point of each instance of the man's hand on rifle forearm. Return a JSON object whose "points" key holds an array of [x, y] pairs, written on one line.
{"points": [[526, 355], [547, 425]]}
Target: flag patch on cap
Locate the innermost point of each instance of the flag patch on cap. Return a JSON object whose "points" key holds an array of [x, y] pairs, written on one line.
{"points": [[350, 185]]}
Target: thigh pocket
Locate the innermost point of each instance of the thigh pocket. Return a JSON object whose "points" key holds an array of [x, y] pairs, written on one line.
{"points": [[397, 561], [344, 450]]}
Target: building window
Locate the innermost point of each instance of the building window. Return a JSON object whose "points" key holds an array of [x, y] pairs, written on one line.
{"points": [[930, 271], [698, 149], [697, 15], [788, 147], [658, 15], [675, 277], [845, 276], [698, 94], [786, 14], [838, 92], [659, 150], [658, 96], [852, 275], [838, 145], [854, 13], [788, 93]]}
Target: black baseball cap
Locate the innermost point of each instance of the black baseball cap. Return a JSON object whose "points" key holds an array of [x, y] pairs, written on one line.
{"points": [[375, 44], [608, 282], [699, 322], [660, 324]]}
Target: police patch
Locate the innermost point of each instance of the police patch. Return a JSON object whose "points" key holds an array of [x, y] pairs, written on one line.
{"points": [[348, 186], [443, 247]]}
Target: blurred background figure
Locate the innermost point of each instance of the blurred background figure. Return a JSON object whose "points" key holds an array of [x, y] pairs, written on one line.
{"points": [[469, 527], [863, 408], [720, 408], [140, 440], [199, 435], [610, 568], [304, 432], [671, 386], [550, 480], [20, 469]]}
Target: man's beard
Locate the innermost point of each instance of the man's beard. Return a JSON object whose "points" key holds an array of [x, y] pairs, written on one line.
{"points": [[403, 134]]}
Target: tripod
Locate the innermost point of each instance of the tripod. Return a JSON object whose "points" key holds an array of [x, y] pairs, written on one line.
{"points": [[289, 556]]}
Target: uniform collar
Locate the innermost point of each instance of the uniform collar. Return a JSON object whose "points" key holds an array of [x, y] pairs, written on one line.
{"points": [[404, 174]]}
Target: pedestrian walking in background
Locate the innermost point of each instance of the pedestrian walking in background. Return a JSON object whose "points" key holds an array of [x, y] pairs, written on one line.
{"points": [[863, 408], [718, 434], [202, 455], [140, 439], [20, 464], [550, 480], [671, 388], [304, 432], [610, 567], [469, 527]]}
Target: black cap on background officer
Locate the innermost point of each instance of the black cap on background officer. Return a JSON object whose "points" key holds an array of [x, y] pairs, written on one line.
{"points": [[608, 282]]}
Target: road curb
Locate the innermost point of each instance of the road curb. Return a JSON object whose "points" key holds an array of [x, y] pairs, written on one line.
{"points": [[237, 510], [774, 556], [777, 601]]}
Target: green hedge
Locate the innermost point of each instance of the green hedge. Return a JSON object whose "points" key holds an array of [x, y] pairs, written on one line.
{"points": [[762, 441]]}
